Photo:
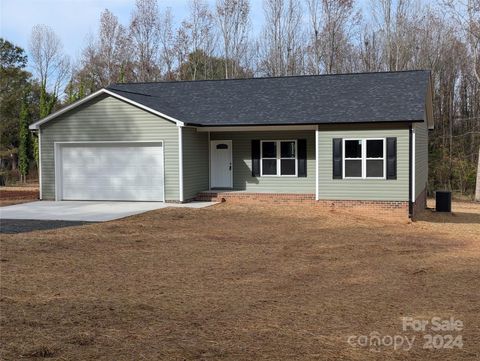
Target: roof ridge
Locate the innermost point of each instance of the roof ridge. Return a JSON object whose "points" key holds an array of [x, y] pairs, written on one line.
{"points": [[274, 77], [127, 91]]}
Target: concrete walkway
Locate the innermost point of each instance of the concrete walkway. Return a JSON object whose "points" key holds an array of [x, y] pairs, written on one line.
{"points": [[86, 211]]}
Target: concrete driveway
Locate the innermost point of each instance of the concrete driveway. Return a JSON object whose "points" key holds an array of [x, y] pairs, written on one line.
{"points": [[85, 211]]}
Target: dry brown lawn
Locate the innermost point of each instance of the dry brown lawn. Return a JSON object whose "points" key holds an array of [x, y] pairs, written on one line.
{"points": [[239, 282], [19, 194]]}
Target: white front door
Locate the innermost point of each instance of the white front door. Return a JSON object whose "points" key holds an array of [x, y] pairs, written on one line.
{"points": [[221, 164]]}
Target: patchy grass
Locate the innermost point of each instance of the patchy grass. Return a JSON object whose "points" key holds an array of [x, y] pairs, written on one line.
{"points": [[239, 282], [18, 194]]}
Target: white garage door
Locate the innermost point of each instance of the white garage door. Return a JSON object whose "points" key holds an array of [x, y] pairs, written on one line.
{"points": [[114, 172]]}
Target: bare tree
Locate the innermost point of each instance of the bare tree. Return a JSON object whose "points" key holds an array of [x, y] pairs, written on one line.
{"points": [[467, 16], [182, 47], [282, 40], [200, 29], [145, 32], [233, 21], [331, 29], [167, 43], [272, 42], [314, 52], [114, 47], [397, 22], [50, 64], [107, 58], [369, 51]]}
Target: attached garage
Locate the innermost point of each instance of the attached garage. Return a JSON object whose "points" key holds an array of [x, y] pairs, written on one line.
{"points": [[109, 171], [105, 149]]}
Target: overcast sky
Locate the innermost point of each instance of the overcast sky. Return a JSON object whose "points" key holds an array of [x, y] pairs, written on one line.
{"points": [[73, 20]]}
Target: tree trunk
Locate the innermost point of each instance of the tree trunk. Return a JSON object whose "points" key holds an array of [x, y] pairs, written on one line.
{"points": [[14, 161], [477, 188]]}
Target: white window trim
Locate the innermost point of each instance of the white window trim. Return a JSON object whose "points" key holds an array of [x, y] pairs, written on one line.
{"points": [[364, 158], [278, 158]]}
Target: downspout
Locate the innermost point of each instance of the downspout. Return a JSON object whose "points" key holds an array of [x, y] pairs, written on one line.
{"points": [[410, 171], [317, 196], [209, 163], [180, 164], [39, 168], [414, 158]]}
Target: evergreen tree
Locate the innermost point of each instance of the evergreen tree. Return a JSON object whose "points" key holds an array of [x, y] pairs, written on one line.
{"points": [[24, 142], [14, 81]]}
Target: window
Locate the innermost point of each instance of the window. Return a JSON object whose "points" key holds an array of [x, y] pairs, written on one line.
{"points": [[353, 159], [375, 158], [269, 158], [364, 158], [279, 158]]}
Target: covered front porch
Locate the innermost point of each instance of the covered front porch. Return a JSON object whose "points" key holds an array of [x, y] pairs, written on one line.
{"points": [[260, 160], [243, 196]]}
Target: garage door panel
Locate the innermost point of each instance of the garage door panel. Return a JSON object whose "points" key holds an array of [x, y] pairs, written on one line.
{"points": [[110, 172]]}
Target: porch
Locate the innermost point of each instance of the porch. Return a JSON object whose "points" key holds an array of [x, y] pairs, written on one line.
{"points": [[244, 161], [243, 196]]}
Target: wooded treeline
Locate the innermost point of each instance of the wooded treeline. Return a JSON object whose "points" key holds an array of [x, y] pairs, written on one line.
{"points": [[297, 37]]}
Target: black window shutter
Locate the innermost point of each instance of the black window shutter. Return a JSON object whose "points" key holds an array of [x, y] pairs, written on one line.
{"points": [[255, 158], [392, 158], [302, 157], [337, 158]]}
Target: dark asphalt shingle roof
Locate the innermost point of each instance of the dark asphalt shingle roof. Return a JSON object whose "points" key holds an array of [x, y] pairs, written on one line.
{"points": [[342, 98]]}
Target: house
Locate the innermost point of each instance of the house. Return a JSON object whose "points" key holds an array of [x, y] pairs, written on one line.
{"points": [[347, 140]]}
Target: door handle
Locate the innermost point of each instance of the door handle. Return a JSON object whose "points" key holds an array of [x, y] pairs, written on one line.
{"points": [[230, 166]]}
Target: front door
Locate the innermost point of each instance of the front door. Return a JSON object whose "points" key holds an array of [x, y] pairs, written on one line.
{"points": [[221, 164]]}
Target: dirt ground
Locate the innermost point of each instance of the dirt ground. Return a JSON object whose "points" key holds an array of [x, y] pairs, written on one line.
{"points": [[237, 282], [16, 195]]}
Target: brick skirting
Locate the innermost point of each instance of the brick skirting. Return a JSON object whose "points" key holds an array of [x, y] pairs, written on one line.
{"points": [[372, 208], [255, 197], [369, 208]]}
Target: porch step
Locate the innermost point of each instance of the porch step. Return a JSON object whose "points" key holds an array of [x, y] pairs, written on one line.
{"points": [[207, 197]]}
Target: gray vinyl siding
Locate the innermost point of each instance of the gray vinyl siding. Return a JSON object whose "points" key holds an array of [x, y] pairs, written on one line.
{"points": [[363, 189], [242, 162], [195, 162], [421, 157], [109, 119]]}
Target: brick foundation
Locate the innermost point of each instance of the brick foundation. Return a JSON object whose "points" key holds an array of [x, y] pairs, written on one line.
{"points": [[255, 197], [371, 208]]}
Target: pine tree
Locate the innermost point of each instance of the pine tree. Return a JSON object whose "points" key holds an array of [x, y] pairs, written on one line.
{"points": [[24, 142]]}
